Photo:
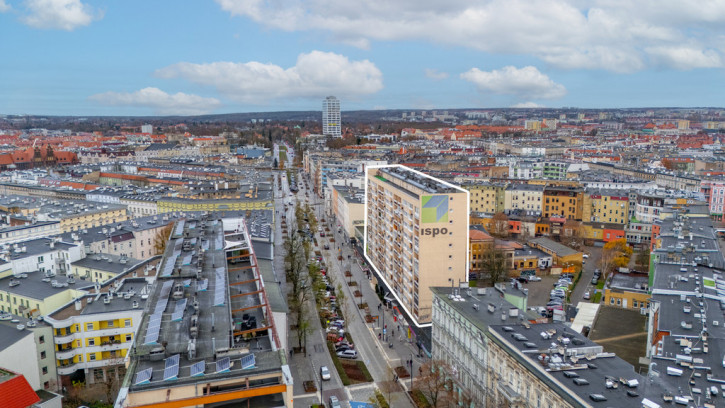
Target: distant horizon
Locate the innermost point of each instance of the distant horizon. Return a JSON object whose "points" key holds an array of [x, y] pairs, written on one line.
{"points": [[367, 110]]}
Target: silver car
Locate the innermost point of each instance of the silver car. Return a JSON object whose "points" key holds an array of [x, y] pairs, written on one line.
{"points": [[334, 402]]}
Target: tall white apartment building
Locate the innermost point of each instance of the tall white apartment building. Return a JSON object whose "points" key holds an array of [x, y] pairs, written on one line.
{"points": [[331, 122]]}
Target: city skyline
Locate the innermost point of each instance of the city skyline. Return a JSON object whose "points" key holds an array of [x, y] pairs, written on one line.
{"points": [[69, 57]]}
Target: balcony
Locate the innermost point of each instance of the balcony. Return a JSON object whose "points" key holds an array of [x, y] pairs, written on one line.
{"points": [[66, 354], [115, 331], [67, 338], [108, 347], [68, 369]]}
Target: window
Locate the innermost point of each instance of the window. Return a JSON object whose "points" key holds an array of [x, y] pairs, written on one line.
{"points": [[92, 357], [634, 304], [128, 337], [89, 326], [42, 355], [91, 342], [41, 339], [46, 385], [611, 301], [40, 259], [110, 323], [127, 323], [45, 370]]}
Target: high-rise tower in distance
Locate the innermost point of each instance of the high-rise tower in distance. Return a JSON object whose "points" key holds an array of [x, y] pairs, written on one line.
{"points": [[331, 117]]}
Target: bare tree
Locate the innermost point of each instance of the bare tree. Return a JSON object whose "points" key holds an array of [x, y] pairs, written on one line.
{"points": [[493, 264], [499, 225], [642, 259], [435, 384], [161, 239]]}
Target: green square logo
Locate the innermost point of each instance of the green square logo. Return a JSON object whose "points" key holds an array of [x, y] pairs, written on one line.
{"points": [[435, 209]]}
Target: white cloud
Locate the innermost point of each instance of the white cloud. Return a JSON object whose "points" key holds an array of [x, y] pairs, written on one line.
{"points": [[525, 83], [316, 74], [58, 14], [616, 35], [684, 58], [4, 6], [162, 102], [435, 74], [527, 105]]}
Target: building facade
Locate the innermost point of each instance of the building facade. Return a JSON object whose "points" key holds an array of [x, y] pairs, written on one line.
{"points": [[486, 198], [331, 120], [416, 235]]}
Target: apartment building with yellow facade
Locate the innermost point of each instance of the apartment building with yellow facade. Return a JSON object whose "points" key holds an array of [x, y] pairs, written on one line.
{"points": [[93, 333], [607, 206], [486, 197], [563, 202], [416, 235]]}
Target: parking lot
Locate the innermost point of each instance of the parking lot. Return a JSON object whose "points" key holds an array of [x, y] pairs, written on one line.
{"points": [[539, 291]]}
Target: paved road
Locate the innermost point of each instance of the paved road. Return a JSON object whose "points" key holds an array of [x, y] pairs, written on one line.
{"points": [[378, 357], [303, 368], [585, 283]]}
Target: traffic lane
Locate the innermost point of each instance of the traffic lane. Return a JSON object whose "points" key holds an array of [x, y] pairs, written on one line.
{"points": [[585, 282], [368, 348]]}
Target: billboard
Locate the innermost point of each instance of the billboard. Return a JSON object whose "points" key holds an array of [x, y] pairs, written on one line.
{"points": [[434, 209]]}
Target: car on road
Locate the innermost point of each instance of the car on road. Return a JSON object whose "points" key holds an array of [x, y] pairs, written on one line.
{"points": [[586, 295], [325, 373], [585, 256], [352, 354], [595, 279], [334, 402], [534, 278]]}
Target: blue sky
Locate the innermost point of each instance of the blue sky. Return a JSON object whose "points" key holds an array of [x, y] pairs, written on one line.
{"points": [[84, 57]]}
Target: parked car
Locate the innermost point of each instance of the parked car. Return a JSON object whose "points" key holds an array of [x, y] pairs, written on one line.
{"points": [[534, 278], [585, 256], [334, 402], [325, 373], [326, 246], [595, 279], [586, 295], [352, 354], [344, 343]]}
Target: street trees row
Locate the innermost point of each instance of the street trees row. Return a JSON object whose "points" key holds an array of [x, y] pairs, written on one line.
{"points": [[303, 276]]}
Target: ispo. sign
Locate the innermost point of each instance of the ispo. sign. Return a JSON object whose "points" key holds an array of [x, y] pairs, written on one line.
{"points": [[434, 231]]}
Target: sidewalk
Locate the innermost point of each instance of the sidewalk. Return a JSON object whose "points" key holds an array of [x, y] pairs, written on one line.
{"points": [[402, 350]]}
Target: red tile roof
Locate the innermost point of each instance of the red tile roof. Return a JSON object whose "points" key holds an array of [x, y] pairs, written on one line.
{"points": [[16, 393]]}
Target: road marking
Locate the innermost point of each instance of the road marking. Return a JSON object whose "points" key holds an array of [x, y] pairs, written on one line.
{"points": [[308, 395]]}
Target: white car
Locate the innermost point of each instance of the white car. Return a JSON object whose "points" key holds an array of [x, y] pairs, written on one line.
{"points": [[534, 278], [585, 256], [325, 373], [347, 354]]}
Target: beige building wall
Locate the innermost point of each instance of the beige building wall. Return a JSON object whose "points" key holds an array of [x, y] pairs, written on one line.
{"points": [[410, 247]]}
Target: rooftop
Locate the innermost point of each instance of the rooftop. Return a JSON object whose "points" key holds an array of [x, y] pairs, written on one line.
{"points": [[206, 280], [558, 356], [109, 263], [557, 248], [425, 183]]}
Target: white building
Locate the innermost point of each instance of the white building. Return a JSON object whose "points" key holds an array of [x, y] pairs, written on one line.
{"points": [[331, 121], [147, 129], [45, 255], [29, 231]]}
